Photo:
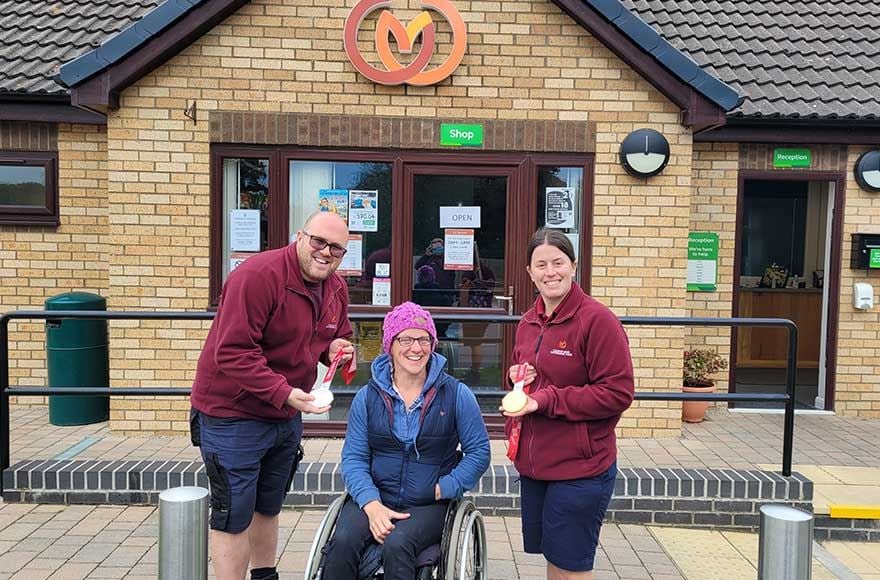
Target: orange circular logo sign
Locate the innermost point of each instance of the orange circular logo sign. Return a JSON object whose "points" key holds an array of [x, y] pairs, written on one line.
{"points": [[416, 72]]}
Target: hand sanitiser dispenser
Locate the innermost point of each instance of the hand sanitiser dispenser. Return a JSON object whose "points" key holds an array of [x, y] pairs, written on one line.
{"points": [[863, 296]]}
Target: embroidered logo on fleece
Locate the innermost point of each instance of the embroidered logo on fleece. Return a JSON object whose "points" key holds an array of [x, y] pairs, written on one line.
{"points": [[561, 349]]}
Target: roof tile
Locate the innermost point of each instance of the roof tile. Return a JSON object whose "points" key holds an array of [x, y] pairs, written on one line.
{"points": [[814, 58]]}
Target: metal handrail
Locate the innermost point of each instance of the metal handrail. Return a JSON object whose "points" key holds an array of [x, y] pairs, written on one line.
{"points": [[7, 391]]}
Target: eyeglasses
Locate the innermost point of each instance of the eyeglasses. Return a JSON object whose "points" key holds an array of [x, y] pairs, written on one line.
{"points": [[319, 243], [407, 341]]}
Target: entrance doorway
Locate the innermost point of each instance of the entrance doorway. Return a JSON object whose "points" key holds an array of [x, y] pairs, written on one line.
{"points": [[460, 263], [785, 263]]}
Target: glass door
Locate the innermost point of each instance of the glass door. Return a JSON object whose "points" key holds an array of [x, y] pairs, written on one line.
{"points": [[459, 236]]}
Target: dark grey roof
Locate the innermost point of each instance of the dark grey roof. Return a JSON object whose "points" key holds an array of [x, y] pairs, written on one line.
{"points": [[814, 59], [670, 56], [37, 36]]}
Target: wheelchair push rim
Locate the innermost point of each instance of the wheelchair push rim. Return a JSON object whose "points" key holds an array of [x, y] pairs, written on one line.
{"points": [[325, 531]]}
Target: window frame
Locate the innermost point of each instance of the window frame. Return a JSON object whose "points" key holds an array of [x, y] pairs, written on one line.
{"points": [[46, 215], [524, 184]]}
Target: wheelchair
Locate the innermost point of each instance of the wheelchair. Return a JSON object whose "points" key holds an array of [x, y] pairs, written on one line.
{"points": [[460, 555]]}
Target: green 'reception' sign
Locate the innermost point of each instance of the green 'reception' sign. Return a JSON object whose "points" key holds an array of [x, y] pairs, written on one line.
{"points": [[792, 157], [702, 271]]}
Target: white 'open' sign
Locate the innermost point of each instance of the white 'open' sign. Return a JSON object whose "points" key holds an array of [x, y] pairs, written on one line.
{"points": [[460, 216]]}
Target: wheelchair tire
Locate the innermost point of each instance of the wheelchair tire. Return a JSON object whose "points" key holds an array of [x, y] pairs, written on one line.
{"points": [[465, 557], [322, 536]]}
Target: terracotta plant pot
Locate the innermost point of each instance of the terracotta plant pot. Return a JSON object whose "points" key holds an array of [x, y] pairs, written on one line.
{"points": [[693, 411]]}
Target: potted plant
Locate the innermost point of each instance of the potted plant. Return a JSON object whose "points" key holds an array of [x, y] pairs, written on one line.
{"points": [[699, 366]]}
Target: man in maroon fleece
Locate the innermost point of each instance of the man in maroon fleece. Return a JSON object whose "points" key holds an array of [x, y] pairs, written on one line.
{"points": [[281, 312]]}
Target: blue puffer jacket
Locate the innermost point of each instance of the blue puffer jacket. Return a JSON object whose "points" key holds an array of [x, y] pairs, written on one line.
{"points": [[398, 456]]}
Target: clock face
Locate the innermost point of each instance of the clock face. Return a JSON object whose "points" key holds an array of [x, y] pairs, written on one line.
{"points": [[868, 170], [644, 153]]}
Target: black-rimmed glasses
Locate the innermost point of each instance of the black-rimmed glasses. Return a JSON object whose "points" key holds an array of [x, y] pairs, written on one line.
{"points": [[407, 341], [318, 243]]}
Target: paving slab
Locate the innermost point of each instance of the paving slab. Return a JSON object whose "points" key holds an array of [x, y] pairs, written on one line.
{"points": [[626, 552]]}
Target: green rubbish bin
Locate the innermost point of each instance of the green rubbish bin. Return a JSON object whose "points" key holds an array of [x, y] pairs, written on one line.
{"points": [[78, 355]]}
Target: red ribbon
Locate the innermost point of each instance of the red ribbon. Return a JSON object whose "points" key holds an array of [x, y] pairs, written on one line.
{"points": [[516, 425], [348, 372]]}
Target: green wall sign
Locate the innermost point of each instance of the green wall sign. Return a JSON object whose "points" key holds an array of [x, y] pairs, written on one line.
{"points": [[792, 157], [453, 135], [874, 258], [702, 272]]}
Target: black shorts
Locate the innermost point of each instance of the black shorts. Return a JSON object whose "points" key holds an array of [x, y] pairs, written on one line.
{"points": [[250, 466], [561, 519]]}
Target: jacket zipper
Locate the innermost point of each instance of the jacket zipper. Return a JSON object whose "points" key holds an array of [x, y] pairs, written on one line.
{"points": [[532, 427]]}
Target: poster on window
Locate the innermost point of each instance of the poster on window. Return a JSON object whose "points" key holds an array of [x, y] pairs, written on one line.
{"points": [[381, 291], [236, 259], [559, 207], [244, 230], [459, 245], [353, 262], [363, 211], [334, 201]]}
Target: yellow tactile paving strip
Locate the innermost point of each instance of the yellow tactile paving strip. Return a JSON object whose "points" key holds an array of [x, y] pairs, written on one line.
{"points": [[713, 555], [839, 485], [863, 558]]}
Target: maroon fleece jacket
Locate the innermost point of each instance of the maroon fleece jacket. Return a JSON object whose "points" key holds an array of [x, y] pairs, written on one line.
{"points": [[584, 384], [267, 338]]}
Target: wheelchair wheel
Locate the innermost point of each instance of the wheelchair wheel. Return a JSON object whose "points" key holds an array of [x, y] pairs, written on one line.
{"points": [[465, 557], [322, 536]]}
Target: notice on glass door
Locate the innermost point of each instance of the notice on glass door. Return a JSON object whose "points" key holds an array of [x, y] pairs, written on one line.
{"points": [[244, 230], [702, 270], [559, 207], [459, 254]]}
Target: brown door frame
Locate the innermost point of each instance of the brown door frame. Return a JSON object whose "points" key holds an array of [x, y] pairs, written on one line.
{"points": [[512, 247], [832, 278]]}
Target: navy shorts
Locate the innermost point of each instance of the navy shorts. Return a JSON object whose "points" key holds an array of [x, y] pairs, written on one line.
{"points": [[561, 519], [250, 466]]}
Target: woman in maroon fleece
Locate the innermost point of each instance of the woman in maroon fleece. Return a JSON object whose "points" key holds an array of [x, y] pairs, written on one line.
{"points": [[579, 379]]}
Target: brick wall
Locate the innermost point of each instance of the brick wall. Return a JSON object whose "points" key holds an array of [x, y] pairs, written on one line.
{"points": [[713, 209], [525, 61], [37, 262], [858, 353]]}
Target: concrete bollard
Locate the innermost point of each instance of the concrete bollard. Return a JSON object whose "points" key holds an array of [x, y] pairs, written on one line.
{"points": [[785, 543], [183, 534]]}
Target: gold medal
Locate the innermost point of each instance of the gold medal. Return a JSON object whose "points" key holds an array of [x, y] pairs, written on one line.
{"points": [[514, 401]]}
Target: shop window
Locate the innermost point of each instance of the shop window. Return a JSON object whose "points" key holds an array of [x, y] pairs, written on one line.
{"points": [[246, 215], [28, 188], [360, 192], [560, 203]]}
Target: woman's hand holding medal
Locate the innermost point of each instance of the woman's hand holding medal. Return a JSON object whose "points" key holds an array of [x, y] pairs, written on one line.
{"points": [[517, 403]]}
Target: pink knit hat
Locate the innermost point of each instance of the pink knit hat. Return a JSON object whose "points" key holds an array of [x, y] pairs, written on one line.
{"points": [[404, 316]]}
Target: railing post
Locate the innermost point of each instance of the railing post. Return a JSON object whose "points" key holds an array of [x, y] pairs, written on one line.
{"points": [[183, 534], [785, 543], [791, 390], [4, 398]]}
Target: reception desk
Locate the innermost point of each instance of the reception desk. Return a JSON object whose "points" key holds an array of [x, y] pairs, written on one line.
{"points": [[768, 347]]}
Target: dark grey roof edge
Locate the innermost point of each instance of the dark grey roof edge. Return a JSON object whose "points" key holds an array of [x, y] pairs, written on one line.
{"points": [[123, 43], [678, 63]]}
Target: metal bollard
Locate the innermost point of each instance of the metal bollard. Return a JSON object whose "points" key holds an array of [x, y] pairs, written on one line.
{"points": [[785, 543], [183, 534]]}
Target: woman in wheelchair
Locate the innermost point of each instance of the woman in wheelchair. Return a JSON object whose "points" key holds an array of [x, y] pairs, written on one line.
{"points": [[400, 460]]}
